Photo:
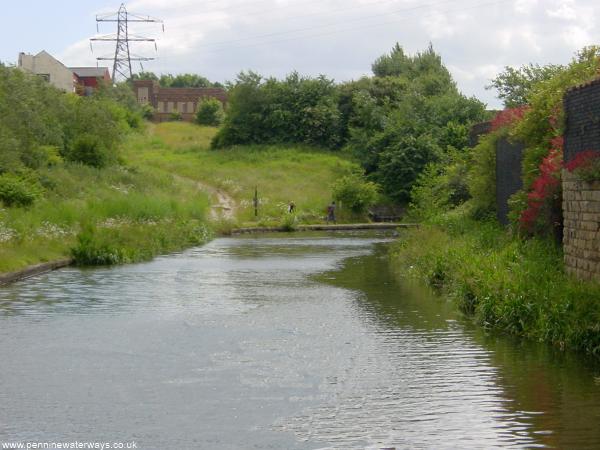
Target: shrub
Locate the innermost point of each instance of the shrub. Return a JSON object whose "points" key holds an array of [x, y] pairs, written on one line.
{"points": [[355, 192], [91, 251], [175, 116], [89, 149], [441, 186], [42, 156], [17, 191], [544, 200], [297, 109], [482, 176], [210, 112], [148, 112]]}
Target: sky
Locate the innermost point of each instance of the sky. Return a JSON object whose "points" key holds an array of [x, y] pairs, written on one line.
{"points": [[336, 38]]}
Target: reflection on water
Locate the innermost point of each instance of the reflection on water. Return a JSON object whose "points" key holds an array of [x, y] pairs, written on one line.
{"points": [[284, 342]]}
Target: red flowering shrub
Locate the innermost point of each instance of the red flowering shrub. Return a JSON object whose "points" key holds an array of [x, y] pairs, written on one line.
{"points": [[508, 117], [586, 165], [543, 201]]}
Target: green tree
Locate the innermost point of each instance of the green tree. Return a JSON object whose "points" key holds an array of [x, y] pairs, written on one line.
{"points": [[210, 112], [355, 192], [515, 85], [293, 110]]}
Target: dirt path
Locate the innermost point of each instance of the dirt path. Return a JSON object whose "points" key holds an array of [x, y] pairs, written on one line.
{"points": [[222, 207]]}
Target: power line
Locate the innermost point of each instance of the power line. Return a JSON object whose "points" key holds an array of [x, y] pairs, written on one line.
{"points": [[480, 5], [328, 25]]}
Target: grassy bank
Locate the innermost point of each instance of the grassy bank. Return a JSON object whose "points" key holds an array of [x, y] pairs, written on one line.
{"points": [[114, 214], [147, 205], [512, 285], [281, 173]]}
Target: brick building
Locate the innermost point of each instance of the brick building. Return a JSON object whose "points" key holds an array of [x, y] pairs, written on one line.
{"points": [[167, 101], [88, 78]]}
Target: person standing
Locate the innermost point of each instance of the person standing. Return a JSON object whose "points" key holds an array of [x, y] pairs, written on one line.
{"points": [[291, 207], [331, 213]]}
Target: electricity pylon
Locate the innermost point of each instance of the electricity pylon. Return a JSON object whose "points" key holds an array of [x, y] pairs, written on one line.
{"points": [[123, 56]]}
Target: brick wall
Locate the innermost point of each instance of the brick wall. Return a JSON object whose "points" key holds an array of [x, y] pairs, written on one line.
{"points": [[508, 175], [581, 200], [167, 101], [582, 107]]}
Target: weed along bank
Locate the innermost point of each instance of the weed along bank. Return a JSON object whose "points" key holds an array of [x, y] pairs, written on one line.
{"points": [[521, 254]]}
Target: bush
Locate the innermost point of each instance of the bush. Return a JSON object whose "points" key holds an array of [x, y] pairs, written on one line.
{"points": [[148, 112], [16, 191], [355, 192], [175, 116], [90, 150], [482, 176], [42, 156], [441, 186], [294, 110], [210, 112], [508, 284]]}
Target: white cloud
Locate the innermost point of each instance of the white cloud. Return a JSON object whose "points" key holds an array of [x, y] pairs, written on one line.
{"points": [[565, 12], [525, 6], [341, 38]]}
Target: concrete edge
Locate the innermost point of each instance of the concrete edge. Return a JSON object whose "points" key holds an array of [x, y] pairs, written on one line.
{"points": [[34, 270], [340, 227]]}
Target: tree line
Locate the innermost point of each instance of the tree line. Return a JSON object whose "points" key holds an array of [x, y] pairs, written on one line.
{"points": [[42, 126], [408, 114]]}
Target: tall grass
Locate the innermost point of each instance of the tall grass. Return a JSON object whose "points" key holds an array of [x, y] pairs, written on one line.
{"points": [[516, 286], [281, 173], [131, 209], [144, 206]]}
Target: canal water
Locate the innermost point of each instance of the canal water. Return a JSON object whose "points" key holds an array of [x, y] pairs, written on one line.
{"points": [[304, 341]]}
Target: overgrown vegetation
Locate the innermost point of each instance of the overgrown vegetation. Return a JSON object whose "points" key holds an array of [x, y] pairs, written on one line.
{"points": [[512, 285], [395, 123], [210, 112], [282, 173], [355, 192], [512, 280], [66, 189]]}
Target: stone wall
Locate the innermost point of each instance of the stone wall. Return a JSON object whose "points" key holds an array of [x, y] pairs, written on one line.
{"points": [[581, 200], [581, 210]]}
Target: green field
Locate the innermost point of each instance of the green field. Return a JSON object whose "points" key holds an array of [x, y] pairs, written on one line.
{"points": [[281, 173], [153, 202]]}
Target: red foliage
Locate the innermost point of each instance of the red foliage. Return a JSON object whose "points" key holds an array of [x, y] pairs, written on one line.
{"points": [[582, 159], [508, 117], [546, 185]]}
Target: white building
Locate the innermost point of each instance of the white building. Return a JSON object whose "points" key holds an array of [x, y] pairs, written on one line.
{"points": [[49, 68]]}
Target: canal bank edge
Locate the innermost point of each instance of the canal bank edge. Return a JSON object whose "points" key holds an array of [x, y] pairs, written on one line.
{"points": [[39, 269], [337, 227], [34, 270]]}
